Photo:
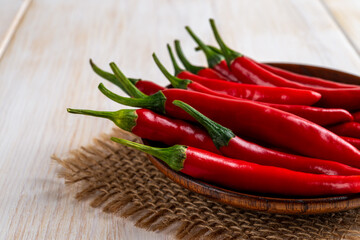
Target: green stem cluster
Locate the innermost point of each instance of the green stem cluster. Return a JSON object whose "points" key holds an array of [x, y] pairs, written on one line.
{"points": [[188, 66], [229, 54], [212, 57], [111, 77], [175, 82]]}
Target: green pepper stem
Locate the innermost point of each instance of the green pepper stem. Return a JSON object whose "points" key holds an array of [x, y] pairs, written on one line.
{"points": [[173, 156], [124, 118], [215, 49], [175, 82], [229, 54], [106, 75], [188, 66], [174, 62], [110, 77], [155, 102], [212, 57], [219, 134], [129, 88]]}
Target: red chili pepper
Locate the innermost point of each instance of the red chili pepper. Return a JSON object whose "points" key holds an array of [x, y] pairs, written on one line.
{"points": [[356, 116], [319, 116], [210, 73], [353, 141], [245, 176], [248, 91], [280, 95], [232, 146], [149, 125], [306, 80], [303, 79], [215, 60], [247, 118], [151, 87], [348, 129], [197, 70], [250, 72]]}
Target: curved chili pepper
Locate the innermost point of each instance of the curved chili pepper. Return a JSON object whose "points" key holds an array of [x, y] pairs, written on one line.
{"points": [[300, 78], [319, 116], [248, 91], [347, 98], [245, 176], [250, 72], [232, 146], [306, 80], [247, 118], [353, 141], [149, 125], [280, 95], [348, 129], [215, 60], [197, 70]]}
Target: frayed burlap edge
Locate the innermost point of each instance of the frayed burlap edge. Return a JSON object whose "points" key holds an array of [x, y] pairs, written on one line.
{"points": [[123, 181]]}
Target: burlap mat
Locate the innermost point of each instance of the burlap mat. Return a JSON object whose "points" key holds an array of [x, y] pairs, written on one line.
{"points": [[123, 181]]}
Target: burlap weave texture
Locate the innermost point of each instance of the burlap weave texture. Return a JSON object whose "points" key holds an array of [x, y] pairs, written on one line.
{"points": [[123, 181]]}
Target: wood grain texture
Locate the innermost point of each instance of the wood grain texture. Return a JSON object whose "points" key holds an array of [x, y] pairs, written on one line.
{"points": [[45, 69], [11, 13], [347, 15]]}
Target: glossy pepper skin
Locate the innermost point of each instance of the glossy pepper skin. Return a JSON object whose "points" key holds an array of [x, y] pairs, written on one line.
{"points": [[353, 141], [151, 88], [250, 72], [256, 93], [210, 73], [247, 91], [303, 79], [247, 118], [356, 116], [319, 116], [300, 78], [232, 146], [245, 176], [152, 126], [348, 129], [306, 80]]}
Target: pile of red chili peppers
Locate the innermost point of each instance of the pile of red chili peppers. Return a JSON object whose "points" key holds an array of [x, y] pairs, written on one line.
{"points": [[244, 125]]}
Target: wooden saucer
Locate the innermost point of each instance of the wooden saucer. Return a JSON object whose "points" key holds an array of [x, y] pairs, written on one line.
{"points": [[271, 204]]}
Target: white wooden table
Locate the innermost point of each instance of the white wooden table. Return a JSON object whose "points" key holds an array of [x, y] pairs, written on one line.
{"points": [[44, 50]]}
